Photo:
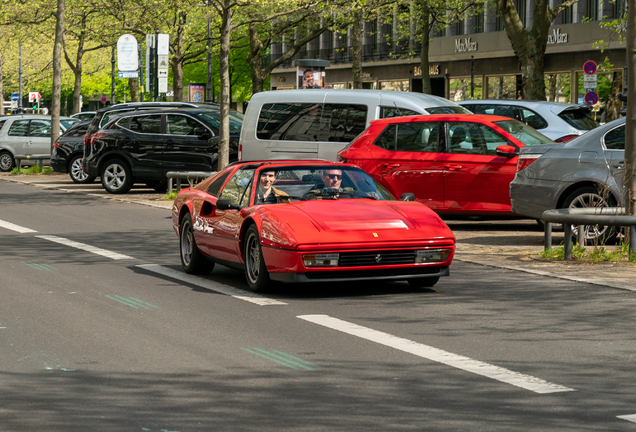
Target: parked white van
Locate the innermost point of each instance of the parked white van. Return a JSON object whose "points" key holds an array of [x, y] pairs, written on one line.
{"points": [[316, 124]]}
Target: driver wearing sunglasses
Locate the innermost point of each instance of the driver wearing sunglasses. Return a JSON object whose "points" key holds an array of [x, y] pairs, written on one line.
{"points": [[332, 178]]}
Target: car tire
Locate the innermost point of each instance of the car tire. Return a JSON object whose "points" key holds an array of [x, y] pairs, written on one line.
{"points": [[423, 282], [7, 163], [77, 173], [256, 272], [586, 197], [116, 177], [192, 260]]}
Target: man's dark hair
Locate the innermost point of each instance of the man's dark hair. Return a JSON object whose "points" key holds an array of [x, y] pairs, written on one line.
{"points": [[307, 70]]}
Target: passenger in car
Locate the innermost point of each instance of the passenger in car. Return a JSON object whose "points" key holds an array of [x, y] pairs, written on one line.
{"points": [[266, 192]]}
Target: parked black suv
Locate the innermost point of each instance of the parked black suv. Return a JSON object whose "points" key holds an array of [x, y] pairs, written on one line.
{"points": [[142, 146]]}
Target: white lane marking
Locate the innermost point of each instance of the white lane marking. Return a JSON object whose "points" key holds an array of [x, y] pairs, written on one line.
{"points": [[628, 417], [212, 286], [85, 247], [527, 382], [14, 227]]}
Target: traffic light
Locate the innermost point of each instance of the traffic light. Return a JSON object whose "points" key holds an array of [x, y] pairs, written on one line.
{"points": [[35, 106]]}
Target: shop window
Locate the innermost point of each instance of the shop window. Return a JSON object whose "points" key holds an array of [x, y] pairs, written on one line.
{"points": [[521, 10], [460, 90], [479, 23], [567, 15], [620, 8], [367, 85], [592, 10], [460, 28], [502, 87], [337, 86], [401, 85], [557, 87]]}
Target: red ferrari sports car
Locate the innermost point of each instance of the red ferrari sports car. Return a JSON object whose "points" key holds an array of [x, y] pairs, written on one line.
{"points": [[308, 221]]}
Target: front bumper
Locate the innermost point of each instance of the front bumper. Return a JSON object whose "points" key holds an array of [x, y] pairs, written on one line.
{"points": [[362, 275]]}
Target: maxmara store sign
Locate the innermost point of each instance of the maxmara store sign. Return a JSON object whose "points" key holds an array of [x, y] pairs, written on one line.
{"points": [[467, 44]]}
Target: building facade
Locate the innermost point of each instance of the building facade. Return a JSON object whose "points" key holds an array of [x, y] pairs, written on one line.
{"points": [[474, 50]]}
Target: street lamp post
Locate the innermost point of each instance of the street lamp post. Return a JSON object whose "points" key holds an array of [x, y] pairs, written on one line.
{"points": [[112, 77], [472, 77]]}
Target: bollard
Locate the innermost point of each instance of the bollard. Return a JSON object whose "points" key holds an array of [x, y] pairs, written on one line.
{"points": [[567, 244], [547, 235]]}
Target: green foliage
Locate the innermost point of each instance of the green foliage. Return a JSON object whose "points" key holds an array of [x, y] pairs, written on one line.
{"points": [[597, 254], [34, 169], [171, 196]]}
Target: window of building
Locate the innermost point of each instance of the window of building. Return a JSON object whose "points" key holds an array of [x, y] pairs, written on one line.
{"points": [[399, 85], [479, 23], [567, 15], [620, 8], [460, 90], [592, 10], [557, 87], [499, 24], [460, 27], [339, 86], [521, 10], [501, 87]]}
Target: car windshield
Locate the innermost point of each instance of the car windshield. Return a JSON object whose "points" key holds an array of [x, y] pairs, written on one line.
{"points": [[578, 118], [523, 132], [448, 110], [213, 120], [68, 122], [306, 183]]}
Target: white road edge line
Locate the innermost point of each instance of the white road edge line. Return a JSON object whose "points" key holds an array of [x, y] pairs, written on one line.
{"points": [[85, 247], [527, 382], [628, 417], [14, 227], [212, 286]]}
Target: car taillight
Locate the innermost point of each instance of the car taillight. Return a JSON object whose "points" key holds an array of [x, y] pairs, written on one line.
{"points": [[56, 145], [240, 155], [566, 138], [87, 139], [525, 160], [96, 136]]}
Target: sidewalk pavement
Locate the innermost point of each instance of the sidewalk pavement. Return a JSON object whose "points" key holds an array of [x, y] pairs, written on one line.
{"points": [[512, 245]]}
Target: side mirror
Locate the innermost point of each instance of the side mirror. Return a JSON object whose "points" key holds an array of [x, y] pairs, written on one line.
{"points": [[407, 196], [227, 204], [202, 132], [507, 151]]}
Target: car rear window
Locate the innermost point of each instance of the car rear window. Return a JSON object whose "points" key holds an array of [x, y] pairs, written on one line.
{"points": [[447, 110], [579, 118], [523, 132]]}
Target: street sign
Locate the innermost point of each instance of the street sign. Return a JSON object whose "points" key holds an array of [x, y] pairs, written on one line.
{"points": [[596, 108], [127, 58], [163, 61], [591, 98], [104, 99], [15, 97], [162, 73], [589, 67], [163, 44], [129, 74], [163, 85], [34, 96], [590, 81]]}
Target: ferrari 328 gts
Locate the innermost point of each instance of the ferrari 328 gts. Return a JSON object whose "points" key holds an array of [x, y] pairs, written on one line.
{"points": [[308, 221]]}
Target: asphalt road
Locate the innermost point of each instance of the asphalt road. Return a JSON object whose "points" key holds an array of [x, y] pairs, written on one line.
{"points": [[95, 337]]}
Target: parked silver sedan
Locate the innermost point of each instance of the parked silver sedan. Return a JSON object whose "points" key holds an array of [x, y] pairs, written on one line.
{"points": [[584, 172], [560, 122]]}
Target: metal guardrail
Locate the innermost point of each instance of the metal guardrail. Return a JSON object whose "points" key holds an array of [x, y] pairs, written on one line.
{"points": [[607, 216], [192, 177], [39, 159]]}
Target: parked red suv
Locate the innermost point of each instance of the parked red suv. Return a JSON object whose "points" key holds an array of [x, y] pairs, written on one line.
{"points": [[456, 164]]}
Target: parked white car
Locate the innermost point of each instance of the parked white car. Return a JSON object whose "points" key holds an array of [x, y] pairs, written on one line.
{"points": [[23, 136], [560, 122]]}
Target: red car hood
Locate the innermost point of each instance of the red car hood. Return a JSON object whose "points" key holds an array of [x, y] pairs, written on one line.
{"points": [[353, 223]]}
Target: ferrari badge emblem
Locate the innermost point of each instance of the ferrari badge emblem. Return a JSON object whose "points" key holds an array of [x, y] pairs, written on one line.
{"points": [[375, 234], [378, 258]]}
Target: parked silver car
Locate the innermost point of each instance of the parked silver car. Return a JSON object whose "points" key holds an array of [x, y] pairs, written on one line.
{"points": [[584, 172], [23, 136], [560, 122]]}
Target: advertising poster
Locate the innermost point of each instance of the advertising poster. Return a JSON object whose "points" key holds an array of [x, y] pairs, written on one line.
{"points": [[196, 93], [310, 77]]}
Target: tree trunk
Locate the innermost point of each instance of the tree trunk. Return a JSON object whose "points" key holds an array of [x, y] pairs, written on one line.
{"points": [[1, 87], [224, 73], [630, 125], [177, 78], [552, 89], [254, 59], [133, 83], [77, 88], [57, 72], [356, 48], [614, 104], [425, 40]]}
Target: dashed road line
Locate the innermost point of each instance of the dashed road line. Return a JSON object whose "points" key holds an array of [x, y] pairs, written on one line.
{"points": [[467, 364], [211, 285], [85, 247], [16, 228]]}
